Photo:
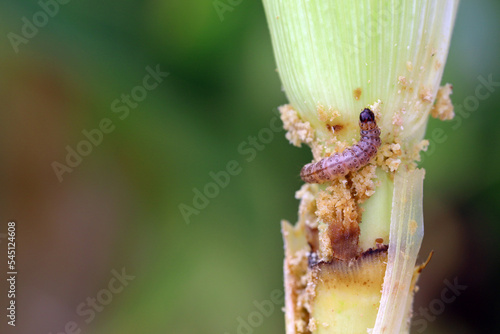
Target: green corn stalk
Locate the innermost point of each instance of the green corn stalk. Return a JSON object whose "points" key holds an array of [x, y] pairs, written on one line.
{"points": [[350, 261]]}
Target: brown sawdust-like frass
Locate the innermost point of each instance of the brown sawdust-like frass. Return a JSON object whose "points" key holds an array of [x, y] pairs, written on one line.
{"points": [[298, 132], [338, 210], [443, 109]]}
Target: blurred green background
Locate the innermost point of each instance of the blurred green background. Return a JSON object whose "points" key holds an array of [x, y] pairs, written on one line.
{"points": [[119, 208]]}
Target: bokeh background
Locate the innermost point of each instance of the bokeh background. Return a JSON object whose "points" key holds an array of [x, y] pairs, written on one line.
{"points": [[119, 208]]}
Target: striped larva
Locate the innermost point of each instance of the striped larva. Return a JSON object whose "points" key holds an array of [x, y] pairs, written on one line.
{"points": [[351, 159]]}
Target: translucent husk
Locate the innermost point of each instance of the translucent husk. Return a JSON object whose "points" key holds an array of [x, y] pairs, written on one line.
{"points": [[407, 232], [336, 57]]}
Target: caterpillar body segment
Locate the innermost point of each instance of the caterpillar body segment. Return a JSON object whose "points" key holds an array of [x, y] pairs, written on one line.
{"points": [[351, 159]]}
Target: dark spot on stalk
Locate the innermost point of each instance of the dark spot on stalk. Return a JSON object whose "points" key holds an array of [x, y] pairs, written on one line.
{"points": [[357, 93], [312, 259], [372, 251]]}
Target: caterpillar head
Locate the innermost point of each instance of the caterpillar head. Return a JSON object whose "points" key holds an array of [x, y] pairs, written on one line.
{"points": [[366, 116]]}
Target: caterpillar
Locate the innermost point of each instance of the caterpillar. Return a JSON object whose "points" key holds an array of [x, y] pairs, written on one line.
{"points": [[351, 159]]}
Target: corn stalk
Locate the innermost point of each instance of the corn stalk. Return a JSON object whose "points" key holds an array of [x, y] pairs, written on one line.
{"points": [[350, 261]]}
